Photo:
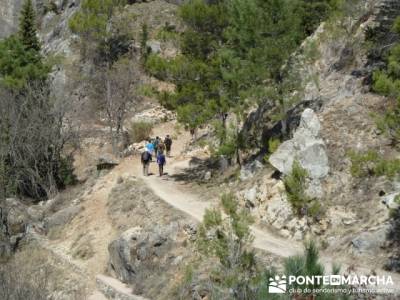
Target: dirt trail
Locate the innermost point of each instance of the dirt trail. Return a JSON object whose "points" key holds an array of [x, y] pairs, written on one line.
{"points": [[190, 203], [94, 220]]}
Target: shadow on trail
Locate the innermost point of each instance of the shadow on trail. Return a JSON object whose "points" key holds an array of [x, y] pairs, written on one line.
{"points": [[196, 171]]}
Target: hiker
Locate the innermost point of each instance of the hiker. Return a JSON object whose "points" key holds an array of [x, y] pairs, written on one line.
{"points": [[146, 159], [155, 145], [168, 144], [149, 146], [161, 147], [161, 161]]}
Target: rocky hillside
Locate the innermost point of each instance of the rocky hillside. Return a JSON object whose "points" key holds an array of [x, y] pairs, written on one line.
{"points": [[334, 118], [116, 234]]}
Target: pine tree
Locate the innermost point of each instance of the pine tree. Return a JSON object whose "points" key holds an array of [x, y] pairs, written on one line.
{"points": [[27, 27]]}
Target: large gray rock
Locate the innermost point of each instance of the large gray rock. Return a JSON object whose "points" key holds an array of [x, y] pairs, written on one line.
{"points": [[106, 161], [155, 46], [370, 241], [136, 250], [9, 12], [306, 147], [284, 157], [62, 217], [16, 215]]}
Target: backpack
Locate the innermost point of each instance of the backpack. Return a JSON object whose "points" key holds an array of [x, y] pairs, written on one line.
{"points": [[146, 156]]}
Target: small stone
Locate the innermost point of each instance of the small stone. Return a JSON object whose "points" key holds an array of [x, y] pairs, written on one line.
{"points": [[391, 201], [348, 221], [285, 233], [251, 195]]}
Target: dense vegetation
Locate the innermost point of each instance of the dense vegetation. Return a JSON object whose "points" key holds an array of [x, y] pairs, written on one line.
{"points": [[233, 55], [31, 136]]}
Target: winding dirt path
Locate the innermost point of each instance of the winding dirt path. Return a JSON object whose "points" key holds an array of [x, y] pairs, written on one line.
{"points": [[95, 221], [190, 203], [170, 192]]}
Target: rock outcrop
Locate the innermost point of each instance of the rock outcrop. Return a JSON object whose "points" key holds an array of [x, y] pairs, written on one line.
{"points": [[138, 252], [106, 161], [9, 12], [260, 125], [154, 115], [15, 218], [137, 249], [306, 147]]}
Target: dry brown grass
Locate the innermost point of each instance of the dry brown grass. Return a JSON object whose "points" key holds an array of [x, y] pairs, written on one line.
{"points": [[31, 274]]}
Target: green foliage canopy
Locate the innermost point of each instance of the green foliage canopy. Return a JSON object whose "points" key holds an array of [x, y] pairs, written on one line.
{"points": [[19, 64]]}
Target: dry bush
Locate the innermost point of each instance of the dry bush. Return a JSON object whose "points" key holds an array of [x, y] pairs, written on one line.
{"points": [[30, 274], [34, 130], [140, 131], [26, 276]]}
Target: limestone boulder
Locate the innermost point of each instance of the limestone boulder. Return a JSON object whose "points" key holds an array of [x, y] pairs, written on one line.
{"points": [[306, 147], [137, 250], [62, 217], [106, 161], [369, 241]]}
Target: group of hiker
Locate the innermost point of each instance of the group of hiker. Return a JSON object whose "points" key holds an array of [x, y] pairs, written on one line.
{"points": [[156, 147]]}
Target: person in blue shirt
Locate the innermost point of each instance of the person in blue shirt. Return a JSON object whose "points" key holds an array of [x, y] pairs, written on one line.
{"points": [[161, 161], [150, 147]]}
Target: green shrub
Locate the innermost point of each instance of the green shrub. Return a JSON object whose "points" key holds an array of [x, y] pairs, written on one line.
{"points": [[66, 171], [228, 240], [147, 90], [157, 66], [228, 148], [273, 145], [371, 164], [167, 33], [387, 83], [309, 264], [141, 131], [295, 185]]}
